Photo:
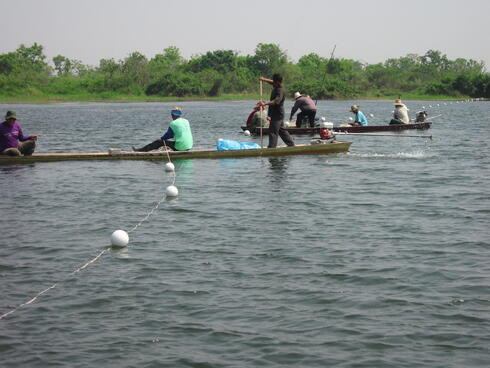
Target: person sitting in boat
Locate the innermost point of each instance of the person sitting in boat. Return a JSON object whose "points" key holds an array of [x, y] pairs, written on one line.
{"points": [[359, 118], [400, 115], [12, 140], [178, 136], [260, 119], [307, 107], [255, 119]]}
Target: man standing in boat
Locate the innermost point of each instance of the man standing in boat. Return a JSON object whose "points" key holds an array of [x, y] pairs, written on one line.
{"points": [[276, 112], [178, 136], [12, 140], [307, 107]]}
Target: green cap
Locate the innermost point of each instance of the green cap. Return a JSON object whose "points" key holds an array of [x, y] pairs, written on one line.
{"points": [[10, 115]]}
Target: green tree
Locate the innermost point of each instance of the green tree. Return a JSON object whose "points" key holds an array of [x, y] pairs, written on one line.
{"points": [[222, 61], [270, 59], [62, 65], [170, 60]]}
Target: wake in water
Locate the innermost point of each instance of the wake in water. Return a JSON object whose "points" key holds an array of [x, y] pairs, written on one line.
{"points": [[400, 155]]}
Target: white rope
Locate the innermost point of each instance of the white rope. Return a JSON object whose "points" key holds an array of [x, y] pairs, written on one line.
{"points": [[147, 216], [32, 300], [161, 199], [86, 264]]}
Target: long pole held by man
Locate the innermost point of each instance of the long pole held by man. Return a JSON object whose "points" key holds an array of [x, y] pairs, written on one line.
{"points": [[276, 111], [261, 120]]}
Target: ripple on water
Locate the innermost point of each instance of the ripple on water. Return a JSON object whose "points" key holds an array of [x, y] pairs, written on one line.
{"points": [[374, 258]]}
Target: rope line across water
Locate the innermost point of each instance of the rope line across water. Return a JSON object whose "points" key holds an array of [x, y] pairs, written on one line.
{"points": [[86, 264]]}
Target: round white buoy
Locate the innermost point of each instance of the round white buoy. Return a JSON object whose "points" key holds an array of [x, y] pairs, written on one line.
{"points": [[286, 124], [171, 191], [350, 118], [371, 115], [247, 132], [169, 166], [119, 238]]}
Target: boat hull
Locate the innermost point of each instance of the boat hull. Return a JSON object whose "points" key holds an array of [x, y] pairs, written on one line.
{"points": [[306, 149], [351, 129]]}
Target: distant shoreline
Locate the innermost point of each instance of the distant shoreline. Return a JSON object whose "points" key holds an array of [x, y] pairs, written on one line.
{"points": [[228, 97]]}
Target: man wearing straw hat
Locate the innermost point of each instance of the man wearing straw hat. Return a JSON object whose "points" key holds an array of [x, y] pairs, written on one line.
{"points": [[276, 112], [178, 136], [359, 118], [12, 140], [307, 107], [400, 115]]}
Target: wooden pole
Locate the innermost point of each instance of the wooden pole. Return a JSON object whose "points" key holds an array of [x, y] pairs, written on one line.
{"points": [[261, 122]]}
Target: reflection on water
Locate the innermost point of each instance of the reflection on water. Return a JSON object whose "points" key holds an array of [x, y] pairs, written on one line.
{"points": [[278, 163], [278, 169]]}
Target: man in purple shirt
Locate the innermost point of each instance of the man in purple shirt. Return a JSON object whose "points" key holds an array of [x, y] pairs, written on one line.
{"points": [[12, 140], [307, 107]]}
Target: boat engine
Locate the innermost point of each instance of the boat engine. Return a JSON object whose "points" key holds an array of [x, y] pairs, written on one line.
{"points": [[326, 131], [420, 116]]}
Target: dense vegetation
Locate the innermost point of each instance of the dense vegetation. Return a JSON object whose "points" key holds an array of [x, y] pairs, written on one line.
{"points": [[26, 73]]}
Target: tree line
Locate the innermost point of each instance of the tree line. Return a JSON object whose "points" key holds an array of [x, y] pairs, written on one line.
{"points": [[26, 72]]}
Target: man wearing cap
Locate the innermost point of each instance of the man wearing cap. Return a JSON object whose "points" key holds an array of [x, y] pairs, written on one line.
{"points": [[178, 136], [307, 107], [12, 140], [276, 112], [400, 115], [359, 118]]}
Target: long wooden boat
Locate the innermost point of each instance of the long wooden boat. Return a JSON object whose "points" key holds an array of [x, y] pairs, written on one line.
{"points": [[351, 129], [115, 154]]}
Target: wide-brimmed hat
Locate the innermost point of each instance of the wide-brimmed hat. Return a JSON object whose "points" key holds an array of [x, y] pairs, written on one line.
{"points": [[10, 115], [297, 95], [354, 108], [176, 111], [398, 102]]}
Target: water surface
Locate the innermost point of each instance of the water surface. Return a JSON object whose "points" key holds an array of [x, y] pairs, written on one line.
{"points": [[374, 258]]}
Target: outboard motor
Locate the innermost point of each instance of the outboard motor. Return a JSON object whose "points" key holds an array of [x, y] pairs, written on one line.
{"points": [[326, 131], [420, 116]]}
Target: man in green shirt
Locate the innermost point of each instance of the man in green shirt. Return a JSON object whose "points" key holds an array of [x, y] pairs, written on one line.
{"points": [[178, 136]]}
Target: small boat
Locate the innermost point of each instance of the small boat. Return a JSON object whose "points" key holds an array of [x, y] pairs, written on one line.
{"points": [[351, 129], [321, 148]]}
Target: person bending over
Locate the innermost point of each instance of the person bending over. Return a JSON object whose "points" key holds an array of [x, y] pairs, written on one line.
{"points": [[307, 107]]}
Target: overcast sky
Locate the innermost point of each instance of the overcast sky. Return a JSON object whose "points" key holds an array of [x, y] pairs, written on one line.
{"points": [[366, 30]]}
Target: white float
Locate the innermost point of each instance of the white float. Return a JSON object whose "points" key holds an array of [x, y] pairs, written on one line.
{"points": [[119, 238], [169, 167], [247, 132], [171, 191]]}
